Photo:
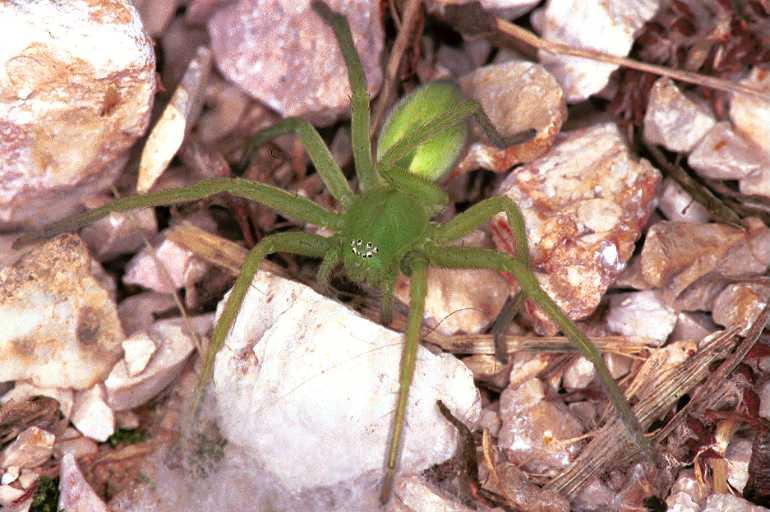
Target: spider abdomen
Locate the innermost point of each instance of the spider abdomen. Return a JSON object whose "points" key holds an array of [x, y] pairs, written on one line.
{"points": [[380, 227]]}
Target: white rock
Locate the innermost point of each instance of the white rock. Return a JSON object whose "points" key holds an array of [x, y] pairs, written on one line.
{"points": [[127, 420], [61, 328], [10, 475], [509, 9], [137, 312], [91, 415], [174, 346], [9, 494], [414, 494], [764, 401], [687, 494], [118, 233], [23, 390], [614, 24], [80, 446], [180, 265], [137, 351], [302, 377], [75, 493], [750, 114], [30, 449], [77, 80], [460, 300], [737, 456], [730, 503], [725, 154], [534, 429], [641, 314], [678, 205], [578, 374], [490, 421], [673, 120], [305, 47], [28, 477]]}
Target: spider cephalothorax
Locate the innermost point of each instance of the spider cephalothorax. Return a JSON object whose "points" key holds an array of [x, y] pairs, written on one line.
{"points": [[381, 226], [385, 228]]}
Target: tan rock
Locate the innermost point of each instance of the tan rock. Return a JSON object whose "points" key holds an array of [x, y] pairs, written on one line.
{"points": [[61, 328], [75, 493], [30, 449], [673, 120], [92, 416], [77, 81]]}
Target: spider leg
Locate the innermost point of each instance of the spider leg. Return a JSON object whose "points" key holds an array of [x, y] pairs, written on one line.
{"points": [[464, 223], [319, 154], [331, 259], [497, 138], [359, 129], [292, 242], [426, 191], [417, 264], [388, 295], [472, 257], [287, 204]]}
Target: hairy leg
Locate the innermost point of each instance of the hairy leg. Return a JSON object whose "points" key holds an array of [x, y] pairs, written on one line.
{"points": [[292, 242], [319, 154], [359, 104], [481, 212], [470, 257], [287, 204], [418, 266], [331, 259]]}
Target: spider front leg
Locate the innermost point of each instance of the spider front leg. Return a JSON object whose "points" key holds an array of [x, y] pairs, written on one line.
{"points": [[285, 203], [470, 257], [300, 243], [416, 266], [319, 154]]}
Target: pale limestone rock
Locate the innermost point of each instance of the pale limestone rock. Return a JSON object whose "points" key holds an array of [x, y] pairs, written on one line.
{"points": [[137, 351], [578, 374], [80, 446], [613, 27], [642, 315], [414, 494], [764, 400], [127, 420], [730, 503], [118, 233], [181, 266], [9, 494], [751, 115], [10, 475], [724, 154], [137, 312], [23, 390], [460, 300], [28, 477], [300, 45], [534, 429], [687, 494], [173, 348], [75, 493], [61, 327], [678, 205], [175, 122], [156, 14], [517, 96], [91, 415], [584, 204], [490, 421], [673, 120], [740, 304], [269, 404], [30, 449], [737, 456], [508, 9], [77, 82], [595, 496]]}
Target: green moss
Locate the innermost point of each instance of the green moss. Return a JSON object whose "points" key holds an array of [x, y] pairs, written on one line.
{"points": [[46, 497], [125, 436]]}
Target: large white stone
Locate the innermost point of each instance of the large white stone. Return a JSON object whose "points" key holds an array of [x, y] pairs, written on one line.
{"points": [[307, 388]]}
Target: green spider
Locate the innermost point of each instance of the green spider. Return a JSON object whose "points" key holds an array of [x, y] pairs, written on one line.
{"points": [[384, 229]]}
